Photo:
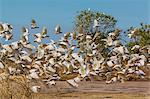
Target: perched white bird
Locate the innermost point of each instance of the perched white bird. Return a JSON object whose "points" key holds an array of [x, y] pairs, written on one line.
{"points": [[89, 9], [130, 35], [96, 23]]}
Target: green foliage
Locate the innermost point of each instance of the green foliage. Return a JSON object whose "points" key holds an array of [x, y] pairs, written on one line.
{"points": [[141, 36], [85, 19], [130, 44], [144, 35]]}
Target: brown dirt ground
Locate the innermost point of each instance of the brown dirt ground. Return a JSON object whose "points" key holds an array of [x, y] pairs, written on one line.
{"points": [[86, 90]]}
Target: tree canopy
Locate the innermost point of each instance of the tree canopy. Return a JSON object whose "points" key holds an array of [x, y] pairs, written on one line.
{"points": [[85, 20], [139, 35]]}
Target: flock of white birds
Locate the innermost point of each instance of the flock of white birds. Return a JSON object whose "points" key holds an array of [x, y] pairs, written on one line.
{"points": [[49, 61]]}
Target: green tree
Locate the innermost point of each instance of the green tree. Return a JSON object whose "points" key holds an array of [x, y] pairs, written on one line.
{"points": [[95, 24], [139, 36], [85, 20]]}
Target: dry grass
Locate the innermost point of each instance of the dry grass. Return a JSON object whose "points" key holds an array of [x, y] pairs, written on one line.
{"points": [[15, 87]]}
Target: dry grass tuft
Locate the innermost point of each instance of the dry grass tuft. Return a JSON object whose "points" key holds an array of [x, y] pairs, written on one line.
{"points": [[15, 87]]}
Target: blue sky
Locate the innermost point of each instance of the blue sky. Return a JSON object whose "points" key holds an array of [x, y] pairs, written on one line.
{"points": [[52, 12]]}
